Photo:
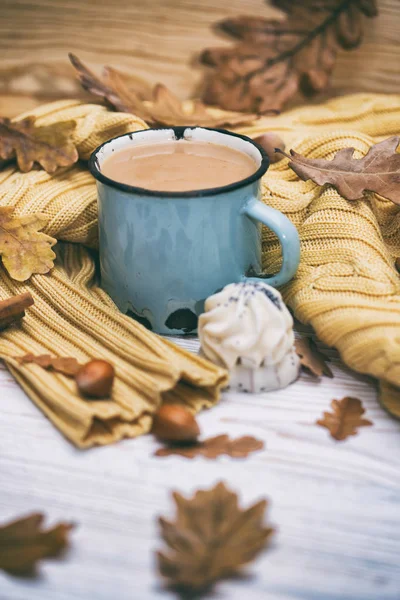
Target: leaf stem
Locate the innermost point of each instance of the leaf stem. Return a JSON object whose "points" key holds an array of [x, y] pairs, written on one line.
{"points": [[331, 18]]}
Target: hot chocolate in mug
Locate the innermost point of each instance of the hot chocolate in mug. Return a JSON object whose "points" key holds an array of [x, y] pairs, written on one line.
{"points": [[163, 253]]}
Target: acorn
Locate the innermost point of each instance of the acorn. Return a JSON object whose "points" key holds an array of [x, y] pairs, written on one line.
{"points": [[269, 141], [173, 423], [95, 379]]}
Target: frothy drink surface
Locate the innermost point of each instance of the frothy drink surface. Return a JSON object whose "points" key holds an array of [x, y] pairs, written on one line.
{"points": [[178, 166]]}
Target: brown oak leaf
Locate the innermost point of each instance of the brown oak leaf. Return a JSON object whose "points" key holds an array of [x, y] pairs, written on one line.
{"points": [[311, 358], [65, 365], [378, 171], [24, 542], [50, 146], [211, 538], [274, 58], [214, 447], [156, 106], [345, 419], [13, 309], [24, 249]]}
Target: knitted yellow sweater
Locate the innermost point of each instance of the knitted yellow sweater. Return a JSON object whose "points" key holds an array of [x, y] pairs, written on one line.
{"points": [[347, 287], [72, 316]]}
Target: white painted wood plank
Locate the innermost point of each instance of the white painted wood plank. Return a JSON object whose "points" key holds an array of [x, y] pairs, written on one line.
{"points": [[336, 505]]}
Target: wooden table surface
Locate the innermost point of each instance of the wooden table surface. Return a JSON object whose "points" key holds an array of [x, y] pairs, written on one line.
{"points": [[335, 504], [158, 40]]}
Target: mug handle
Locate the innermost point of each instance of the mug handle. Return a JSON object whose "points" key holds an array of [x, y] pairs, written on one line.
{"points": [[288, 237]]}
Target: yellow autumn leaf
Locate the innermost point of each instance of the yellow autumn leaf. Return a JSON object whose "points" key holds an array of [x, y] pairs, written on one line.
{"points": [[50, 147], [24, 249]]}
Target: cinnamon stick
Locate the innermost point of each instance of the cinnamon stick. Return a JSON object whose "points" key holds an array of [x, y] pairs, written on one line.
{"points": [[13, 309]]}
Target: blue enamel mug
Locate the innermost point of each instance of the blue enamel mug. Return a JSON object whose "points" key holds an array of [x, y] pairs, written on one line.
{"points": [[163, 253]]}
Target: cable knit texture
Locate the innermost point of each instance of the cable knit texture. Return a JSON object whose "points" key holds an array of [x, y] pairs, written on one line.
{"points": [[347, 287], [72, 316]]}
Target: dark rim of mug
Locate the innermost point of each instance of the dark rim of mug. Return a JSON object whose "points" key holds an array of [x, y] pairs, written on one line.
{"points": [[94, 167]]}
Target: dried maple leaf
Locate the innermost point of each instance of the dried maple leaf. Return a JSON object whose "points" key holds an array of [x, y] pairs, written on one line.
{"points": [[345, 419], [50, 147], [378, 171], [157, 105], [311, 358], [211, 538], [23, 543], [24, 249], [65, 365], [13, 309], [274, 58], [214, 447]]}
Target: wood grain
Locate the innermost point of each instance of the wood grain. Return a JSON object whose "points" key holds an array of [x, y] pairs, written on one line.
{"points": [[336, 505], [157, 40]]}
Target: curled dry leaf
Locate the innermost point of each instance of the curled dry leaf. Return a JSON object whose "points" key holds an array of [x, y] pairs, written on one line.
{"points": [[13, 309], [311, 358], [378, 171], [211, 538], [24, 249], [65, 365], [50, 147], [274, 58], [68, 366], [271, 141], [156, 106], [345, 419], [214, 447], [24, 542]]}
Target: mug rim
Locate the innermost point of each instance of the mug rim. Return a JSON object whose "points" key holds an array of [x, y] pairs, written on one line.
{"points": [[94, 167]]}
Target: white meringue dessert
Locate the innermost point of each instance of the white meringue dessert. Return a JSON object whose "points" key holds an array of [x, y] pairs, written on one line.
{"points": [[248, 329]]}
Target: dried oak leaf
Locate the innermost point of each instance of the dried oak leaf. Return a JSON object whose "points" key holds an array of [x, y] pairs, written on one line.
{"points": [[345, 419], [24, 249], [378, 171], [274, 58], [214, 447], [65, 365], [23, 543], [50, 146], [311, 358], [211, 538], [156, 106], [13, 309]]}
